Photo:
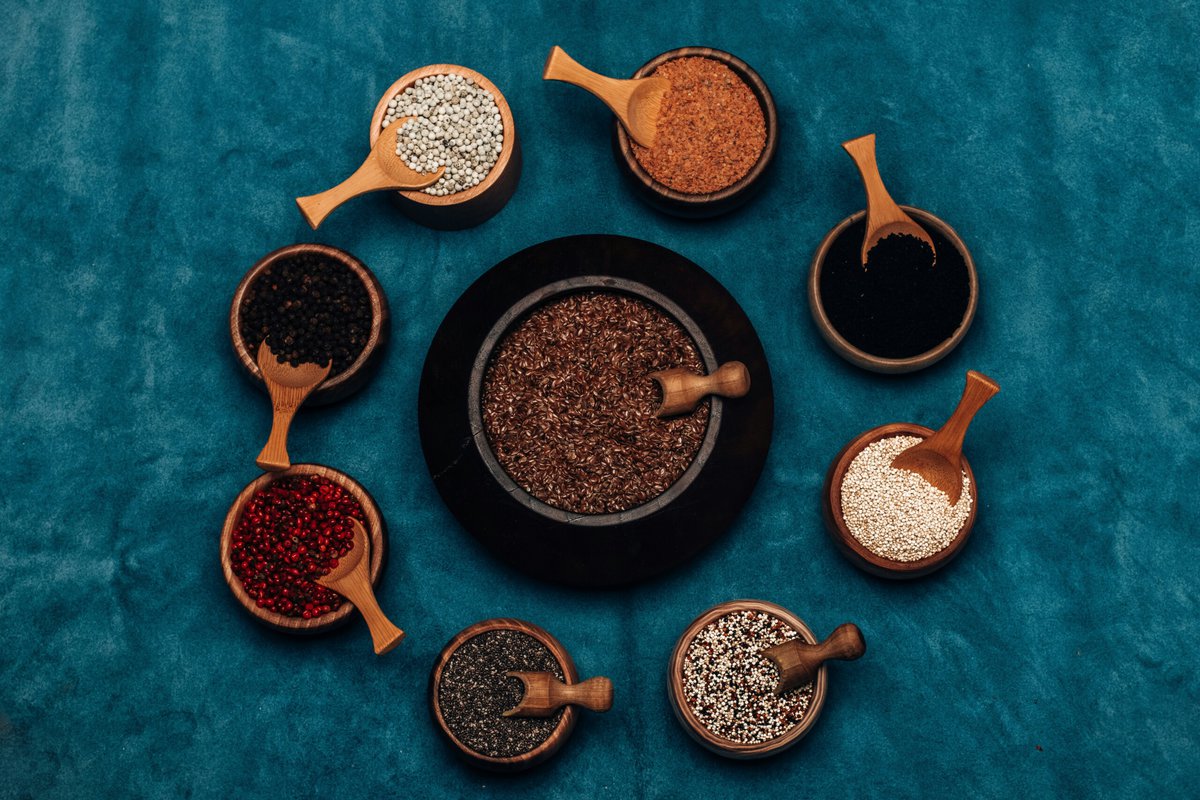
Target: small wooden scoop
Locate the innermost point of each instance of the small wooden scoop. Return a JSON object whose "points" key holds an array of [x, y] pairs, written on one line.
{"points": [[938, 459], [351, 579], [682, 390], [382, 170], [288, 387], [884, 217], [545, 694], [635, 102], [798, 661]]}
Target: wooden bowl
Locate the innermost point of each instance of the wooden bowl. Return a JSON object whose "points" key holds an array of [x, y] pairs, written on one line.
{"points": [[375, 529], [482, 201], [851, 548], [565, 725], [720, 745], [700, 206], [862, 358], [355, 376]]}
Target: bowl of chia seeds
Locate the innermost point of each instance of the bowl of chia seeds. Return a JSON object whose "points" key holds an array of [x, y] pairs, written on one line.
{"points": [[722, 689], [470, 690], [891, 522], [313, 304], [901, 313], [461, 121], [538, 413], [716, 136]]}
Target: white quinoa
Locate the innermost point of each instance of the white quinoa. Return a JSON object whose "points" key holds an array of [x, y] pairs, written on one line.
{"points": [[897, 514]]}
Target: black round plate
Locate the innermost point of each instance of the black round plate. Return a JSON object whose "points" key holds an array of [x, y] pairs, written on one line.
{"points": [[607, 549]]}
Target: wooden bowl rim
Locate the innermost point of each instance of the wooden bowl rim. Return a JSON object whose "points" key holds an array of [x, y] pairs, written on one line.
{"points": [[851, 547], [561, 732], [375, 529], [506, 120], [696, 729], [862, 358], [549, 293], [766, 102], [379, 311]]}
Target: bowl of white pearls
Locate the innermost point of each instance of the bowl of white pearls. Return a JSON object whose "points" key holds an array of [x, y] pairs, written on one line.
{"points": [[453, 117]]}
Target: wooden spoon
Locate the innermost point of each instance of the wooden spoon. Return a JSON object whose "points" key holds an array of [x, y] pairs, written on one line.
{"points": [[884, 217], [938, 459], [682, 390], [288, 387], [636, 102], [352, 580], [798, 661], [382, 170], [545, 694]]}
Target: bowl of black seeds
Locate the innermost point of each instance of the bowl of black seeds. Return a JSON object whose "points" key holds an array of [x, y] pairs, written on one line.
{"points": [[722, 689], [904, 311], [470, 691], [312, 304]]}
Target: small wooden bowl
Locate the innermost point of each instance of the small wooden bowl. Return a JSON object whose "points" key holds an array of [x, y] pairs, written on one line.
{"points": [[355, 376], [861, 357], [565, 725], [701, 206], [851, 548], [481, 202], [720, 745], [375, 529]]}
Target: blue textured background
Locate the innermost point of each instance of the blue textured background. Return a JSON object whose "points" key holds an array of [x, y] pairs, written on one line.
{"points": [[150, 155]]}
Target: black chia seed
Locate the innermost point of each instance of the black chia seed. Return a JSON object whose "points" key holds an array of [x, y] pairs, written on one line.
{"points": [[310, 308], [902, 304], [474, 692]]}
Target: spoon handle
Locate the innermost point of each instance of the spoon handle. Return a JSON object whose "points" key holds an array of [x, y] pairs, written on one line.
{"points": [[367, 178], [545, 693], [594, 694], [948, 440], [356, 588], [881, 208], [613, 92], [682, 389], [844, 644], [284, 402]]}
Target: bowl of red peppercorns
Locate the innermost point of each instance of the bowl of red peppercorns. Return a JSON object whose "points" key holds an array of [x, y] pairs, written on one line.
{"points": [[285, 530], [312, 304]]}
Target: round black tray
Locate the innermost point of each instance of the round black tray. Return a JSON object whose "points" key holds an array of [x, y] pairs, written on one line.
{"points": [[605, 549]]}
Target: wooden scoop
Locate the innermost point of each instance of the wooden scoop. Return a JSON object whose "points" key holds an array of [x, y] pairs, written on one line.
{"points": [[288, 387], [884, 217], [382, 170], [635, 102], [352, 580], [682, 390], [545, 694], [798, 661], [938, 459]]}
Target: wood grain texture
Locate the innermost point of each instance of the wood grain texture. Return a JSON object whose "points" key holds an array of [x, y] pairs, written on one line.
{"points": [[351, 579], [798, 662], [565, 725], [481, 202], [359, 373], [682, 390], [288, 387], [375, 527], [884, 217], [851, 548], [711, 204], [862, 358], [635, 102], [720, 745], [545, 694]]}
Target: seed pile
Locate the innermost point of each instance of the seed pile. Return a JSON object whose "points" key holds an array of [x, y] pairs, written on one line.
{"points": [[895, 513], [310, 308], [474, 692], [568, 406], [292, 532], [902, 304], [457, 126], [710, 130], [730, 687]]}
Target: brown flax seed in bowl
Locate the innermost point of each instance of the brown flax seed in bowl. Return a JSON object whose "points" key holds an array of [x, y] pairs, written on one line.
{"points": [[568, 404]]}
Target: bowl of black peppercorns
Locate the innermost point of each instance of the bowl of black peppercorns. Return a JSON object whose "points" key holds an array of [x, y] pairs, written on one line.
{"points": [[316, 304]]}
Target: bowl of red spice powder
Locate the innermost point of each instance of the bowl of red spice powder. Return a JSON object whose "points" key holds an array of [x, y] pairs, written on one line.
{"points": [[285, 530], [716, 136]]}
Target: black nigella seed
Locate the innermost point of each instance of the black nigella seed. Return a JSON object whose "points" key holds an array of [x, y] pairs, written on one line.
{"points": [[305, 306]]}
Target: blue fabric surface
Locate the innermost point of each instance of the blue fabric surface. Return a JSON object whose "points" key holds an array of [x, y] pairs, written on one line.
{"points": [[151, 153]]}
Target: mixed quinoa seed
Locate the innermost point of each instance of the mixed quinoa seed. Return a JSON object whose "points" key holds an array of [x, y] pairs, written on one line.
{"points": [[568, 404]]}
